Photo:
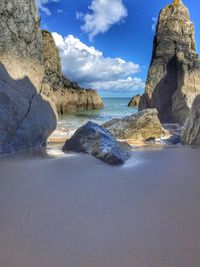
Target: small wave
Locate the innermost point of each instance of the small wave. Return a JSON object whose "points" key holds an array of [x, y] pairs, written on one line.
{"points": [[134, 161]]}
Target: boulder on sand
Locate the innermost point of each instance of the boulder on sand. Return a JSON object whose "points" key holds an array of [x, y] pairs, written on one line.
{"points": [[141, 126], [97, 141]]}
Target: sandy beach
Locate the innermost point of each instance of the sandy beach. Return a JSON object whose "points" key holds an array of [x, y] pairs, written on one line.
{"points": [[75, 211]]}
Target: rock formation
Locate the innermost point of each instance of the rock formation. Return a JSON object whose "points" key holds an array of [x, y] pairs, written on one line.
{"points": [[191, 129], [97, 141], [134, 102], [174, 76], [141, 126], [67, 96], [21, 50], [26, 117]]}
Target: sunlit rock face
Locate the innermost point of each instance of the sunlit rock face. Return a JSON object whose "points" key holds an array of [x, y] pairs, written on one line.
{"points": [[26, 117], [66, 96], [21, 49], [174, 75], [134, 102], [142, 126]]}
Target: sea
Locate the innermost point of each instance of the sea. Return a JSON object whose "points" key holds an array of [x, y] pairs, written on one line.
{"points": [[113, 108]]}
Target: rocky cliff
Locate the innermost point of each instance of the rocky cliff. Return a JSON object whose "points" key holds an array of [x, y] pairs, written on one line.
{"points": [[134, 102], [174, 76], [191, 129], [26, 117], [67, 96], [21, 49]]}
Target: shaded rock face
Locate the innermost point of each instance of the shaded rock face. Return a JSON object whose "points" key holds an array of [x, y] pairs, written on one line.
{"points": [[134, 101], [174, 76], [26, 117], [97, 141], [191, 129], [66, 96], [141, 126]]}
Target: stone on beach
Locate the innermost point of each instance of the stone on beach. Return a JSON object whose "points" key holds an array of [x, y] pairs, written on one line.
{"points": [[141, 126], [99, 142]]}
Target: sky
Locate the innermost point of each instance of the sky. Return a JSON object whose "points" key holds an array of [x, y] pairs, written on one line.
{"points": [[107, 44]]}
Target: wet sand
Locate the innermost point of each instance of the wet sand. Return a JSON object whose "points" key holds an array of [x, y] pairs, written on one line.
{"points": [[75, 211]]}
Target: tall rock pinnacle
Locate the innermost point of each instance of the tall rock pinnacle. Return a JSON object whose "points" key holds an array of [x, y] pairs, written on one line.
{"points": [[177, 2], [174, 75]]}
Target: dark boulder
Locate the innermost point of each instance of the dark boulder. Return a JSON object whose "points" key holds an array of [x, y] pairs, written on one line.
{"points": [[173, 140], [99, 142]]}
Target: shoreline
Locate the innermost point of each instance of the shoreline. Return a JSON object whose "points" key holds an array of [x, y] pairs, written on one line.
{"points": [[134, 143]]}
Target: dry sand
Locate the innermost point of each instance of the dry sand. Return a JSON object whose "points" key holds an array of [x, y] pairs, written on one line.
{"points": [[75, 211]]}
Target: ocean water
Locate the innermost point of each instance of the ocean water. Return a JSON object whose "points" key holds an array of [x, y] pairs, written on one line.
{"points": [[114, 108]]}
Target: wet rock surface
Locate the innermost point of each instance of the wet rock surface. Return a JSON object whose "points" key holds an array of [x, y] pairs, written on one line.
{"points": [[100, 143]]}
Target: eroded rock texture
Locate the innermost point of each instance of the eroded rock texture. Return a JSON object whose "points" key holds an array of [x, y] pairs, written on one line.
{"points": [[174, 76], [67, 96], [141, 126], [21, 49], [191, 129], [26, 117]]}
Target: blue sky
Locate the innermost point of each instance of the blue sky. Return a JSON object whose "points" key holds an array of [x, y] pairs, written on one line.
{"points": [[108, 43]]}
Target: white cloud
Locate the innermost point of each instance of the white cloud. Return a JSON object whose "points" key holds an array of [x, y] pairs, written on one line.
{"points": [[120, 85], [91, 69], [41, 5], [103, 14], [154, 24]]}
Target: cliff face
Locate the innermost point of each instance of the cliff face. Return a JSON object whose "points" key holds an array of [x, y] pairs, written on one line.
{"points": [[67, 96], [191, 129], [134, 101], [26, 118], [174, 76], [21, 49]]}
